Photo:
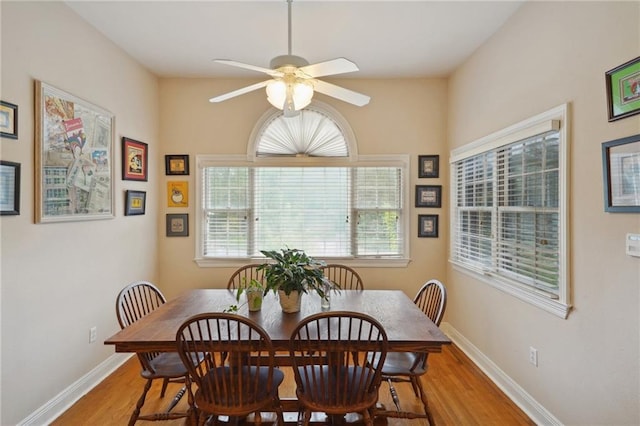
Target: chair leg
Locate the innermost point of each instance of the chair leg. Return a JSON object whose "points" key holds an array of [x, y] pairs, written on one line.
{"points": [[136, 411], [414, 384], [165, 382], [367, 418], [423, 397]]}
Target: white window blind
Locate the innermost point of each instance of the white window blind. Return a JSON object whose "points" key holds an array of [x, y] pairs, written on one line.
{"points": [[330, 212], [508, 214]]}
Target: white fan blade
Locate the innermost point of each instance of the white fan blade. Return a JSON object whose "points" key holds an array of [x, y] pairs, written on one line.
{"points": [[268, 71], [332, 67], [240, 91], [341, 93]]}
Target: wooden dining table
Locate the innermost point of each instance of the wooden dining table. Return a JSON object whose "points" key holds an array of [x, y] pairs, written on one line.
{"points": [[408, 328]]}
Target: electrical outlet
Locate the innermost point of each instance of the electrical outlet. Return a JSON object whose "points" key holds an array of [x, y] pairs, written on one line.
{"points": [[533, 356], [93, 334]]}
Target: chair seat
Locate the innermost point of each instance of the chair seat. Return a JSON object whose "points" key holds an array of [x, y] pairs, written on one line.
{"points": [[401, 363], [219, 379], [166, 364]]}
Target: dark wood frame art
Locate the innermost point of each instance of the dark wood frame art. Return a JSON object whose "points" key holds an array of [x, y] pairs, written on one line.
{"points": [[621, 175], [428, 166], [135, 203], [429, 196], [623, 90], [176, 164], [10, 129], [175, 230], [423, 221], [135, 163], [13, 191]]}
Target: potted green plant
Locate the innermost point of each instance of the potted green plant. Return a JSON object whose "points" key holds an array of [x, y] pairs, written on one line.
{"points": [[255, 291], [291, 273]]}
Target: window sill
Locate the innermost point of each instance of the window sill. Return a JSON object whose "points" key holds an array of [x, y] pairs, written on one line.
{"points": [[362, 263], [538, 299]]}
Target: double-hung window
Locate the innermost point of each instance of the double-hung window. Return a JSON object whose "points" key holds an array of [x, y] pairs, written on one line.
{"points": [[509, 210]]}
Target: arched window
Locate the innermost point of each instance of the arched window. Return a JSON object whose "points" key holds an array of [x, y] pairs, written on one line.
{"points": [[302, 185], [317, 131]]}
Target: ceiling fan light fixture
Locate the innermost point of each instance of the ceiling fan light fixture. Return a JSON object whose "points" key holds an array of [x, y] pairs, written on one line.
{"points": [[289, 96]]}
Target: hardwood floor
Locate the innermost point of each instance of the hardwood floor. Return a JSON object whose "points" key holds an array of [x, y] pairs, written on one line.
{"points": [[459, 394]]}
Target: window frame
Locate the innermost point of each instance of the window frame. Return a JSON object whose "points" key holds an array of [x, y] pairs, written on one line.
{"points": [[400, 160], [556, 118]]}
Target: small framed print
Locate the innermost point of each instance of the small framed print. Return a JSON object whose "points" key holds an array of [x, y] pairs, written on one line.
{"points": [[623, 90], [8, 120], [135, 203], [428, 166], [176, 165], [178, 194], [134, 160], [428, 195], [428, 226], [178, 225], [621, 173], [9, 188]]}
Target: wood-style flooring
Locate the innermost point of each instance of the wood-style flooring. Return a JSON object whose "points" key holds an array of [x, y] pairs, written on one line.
{"points": [[459, 394]]}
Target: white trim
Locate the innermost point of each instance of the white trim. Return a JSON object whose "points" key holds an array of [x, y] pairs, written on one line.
{"points": [[536, 411], [69, 396]]}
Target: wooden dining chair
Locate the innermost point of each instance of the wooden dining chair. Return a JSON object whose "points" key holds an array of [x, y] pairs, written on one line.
{"points": [[134, 302], [347, 278], [410, 366], [327, 352], [238, 376], [245, 274]]}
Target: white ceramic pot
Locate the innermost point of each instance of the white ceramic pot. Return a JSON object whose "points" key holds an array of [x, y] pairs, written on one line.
{"points": [[290, 303]]}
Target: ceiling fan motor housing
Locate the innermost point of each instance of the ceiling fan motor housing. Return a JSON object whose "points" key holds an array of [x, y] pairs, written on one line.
{"points": [[288, 60]]}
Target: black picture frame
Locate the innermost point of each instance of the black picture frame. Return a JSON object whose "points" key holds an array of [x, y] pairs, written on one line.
{"points": [[135, 163], [177, 225], [428, 196], [428, 166], [135, 203], [621, 175], [8, 120], [176, 164], [428, 226], [623, 90], [9, 188]]}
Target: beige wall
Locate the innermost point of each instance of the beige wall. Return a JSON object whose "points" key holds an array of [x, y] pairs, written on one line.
{"points": [[60, 279], [404, 117], [547, 54]]}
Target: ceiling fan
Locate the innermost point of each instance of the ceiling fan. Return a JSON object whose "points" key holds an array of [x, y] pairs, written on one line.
{"points": [[294, 80]]}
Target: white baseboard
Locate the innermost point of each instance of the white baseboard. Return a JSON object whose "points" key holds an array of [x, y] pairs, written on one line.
{"points": [[65, 399], [515, 392]]}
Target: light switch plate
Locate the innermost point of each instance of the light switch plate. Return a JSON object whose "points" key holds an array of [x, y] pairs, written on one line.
{"points": [[633, 245]]}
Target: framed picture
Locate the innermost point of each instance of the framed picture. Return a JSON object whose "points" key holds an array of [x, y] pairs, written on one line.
{"points": [[178, 225], [178, 194], [428, 226], [428, 195], [428, 166], [134, 160], [623, 90], [8, 120], [176, 165], [9, 188], [73, 158], [621, 173], [135, 202]]}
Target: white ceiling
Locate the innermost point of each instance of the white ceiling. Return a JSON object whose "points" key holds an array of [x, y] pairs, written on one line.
{"points": [[385, 39]]}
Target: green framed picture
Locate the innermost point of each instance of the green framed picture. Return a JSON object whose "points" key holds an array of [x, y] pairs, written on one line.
{"points": [[623, 90]]}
